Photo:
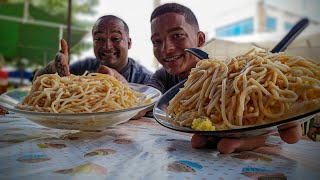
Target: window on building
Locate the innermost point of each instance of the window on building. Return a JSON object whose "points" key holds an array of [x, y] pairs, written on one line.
{"points": [[236, 29], [288, 26], [271, 24]]}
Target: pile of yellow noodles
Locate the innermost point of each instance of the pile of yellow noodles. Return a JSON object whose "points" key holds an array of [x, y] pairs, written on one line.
{"points": [[251, 89], [92, 92]]}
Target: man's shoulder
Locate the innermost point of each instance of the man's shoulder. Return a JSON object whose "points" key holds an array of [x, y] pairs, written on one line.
{"points": [[163, 76], [138, 67], [162, 80], [135, 73], [162, 72]]}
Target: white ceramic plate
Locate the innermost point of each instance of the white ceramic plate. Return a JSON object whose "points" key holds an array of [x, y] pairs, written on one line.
{"points": [[160, 114], [78, 121]]}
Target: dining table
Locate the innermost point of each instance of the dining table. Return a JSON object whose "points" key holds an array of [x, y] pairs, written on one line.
{"points": [[142, 149]]}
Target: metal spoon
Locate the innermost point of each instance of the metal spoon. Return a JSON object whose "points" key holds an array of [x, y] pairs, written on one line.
{"points": [[198, 53], [292, 34]]}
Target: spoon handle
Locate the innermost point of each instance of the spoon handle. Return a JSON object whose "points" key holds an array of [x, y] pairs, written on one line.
{"points": [[293, 33], [198, 53]]}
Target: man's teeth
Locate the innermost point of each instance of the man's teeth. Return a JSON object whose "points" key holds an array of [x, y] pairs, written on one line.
{"points": [[172, 59], [108, 54]]}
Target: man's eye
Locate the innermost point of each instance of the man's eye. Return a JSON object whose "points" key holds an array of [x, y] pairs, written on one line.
{"points": [[116, 39], [97, 39], [178, 35], [155, 42]]}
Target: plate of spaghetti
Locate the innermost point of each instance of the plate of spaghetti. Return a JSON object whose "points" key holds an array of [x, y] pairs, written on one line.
{"points": [[89, 102], [248, 95]]}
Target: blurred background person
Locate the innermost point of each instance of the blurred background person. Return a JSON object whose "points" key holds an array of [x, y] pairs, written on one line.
{"points": [[3, 83], [315, 127], [3, 79]]}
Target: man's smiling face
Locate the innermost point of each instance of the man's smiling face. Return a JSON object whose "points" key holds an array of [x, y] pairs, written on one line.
{"points": [[170, 35], [111, 43]]}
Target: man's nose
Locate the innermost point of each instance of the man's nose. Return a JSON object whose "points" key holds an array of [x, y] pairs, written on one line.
{"points": [[107, 44], [168, 46]]}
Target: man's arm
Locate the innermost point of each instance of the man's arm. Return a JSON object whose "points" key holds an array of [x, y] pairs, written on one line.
{"points": [[59, 64], [48, 69], [158, 80]]}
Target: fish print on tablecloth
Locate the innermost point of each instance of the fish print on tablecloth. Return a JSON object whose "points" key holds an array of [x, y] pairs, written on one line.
{"points": [[261, 174], [100, 152], [84, 135], [158, 135], [51, 145], [164, 140], [16, 137], [184, 166], [273, 146], [252, 156], [123, 141], [116, 134], [84, 169], [33, 158]]}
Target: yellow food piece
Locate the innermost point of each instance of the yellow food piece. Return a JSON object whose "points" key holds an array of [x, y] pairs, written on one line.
{"points": [[202, 124], [147, 101]]}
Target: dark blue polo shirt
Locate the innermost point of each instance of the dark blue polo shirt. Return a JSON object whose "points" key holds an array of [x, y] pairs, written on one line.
{"points": [[133, 72]]}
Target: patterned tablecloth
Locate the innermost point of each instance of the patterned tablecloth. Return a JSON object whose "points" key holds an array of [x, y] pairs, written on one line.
{"points": [[141, 149]]}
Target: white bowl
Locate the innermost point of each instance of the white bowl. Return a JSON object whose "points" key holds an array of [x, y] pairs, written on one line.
{"points": [[78, 121]]}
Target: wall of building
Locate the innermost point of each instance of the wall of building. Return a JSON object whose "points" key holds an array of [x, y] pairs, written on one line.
{"points": [[260, 12]]}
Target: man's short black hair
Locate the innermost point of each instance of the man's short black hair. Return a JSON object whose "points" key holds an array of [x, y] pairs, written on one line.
{"points": [[112, 17], [179, 9]]}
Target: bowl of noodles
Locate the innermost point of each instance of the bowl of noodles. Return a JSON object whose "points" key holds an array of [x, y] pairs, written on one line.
{"points": [[89, 102], [244, 96]]}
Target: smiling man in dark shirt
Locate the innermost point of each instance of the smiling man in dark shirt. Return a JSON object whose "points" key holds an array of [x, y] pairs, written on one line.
{"points": [[174, 28], [111, 42]]}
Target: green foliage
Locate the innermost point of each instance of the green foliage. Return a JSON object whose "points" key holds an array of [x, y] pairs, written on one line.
{"points": [[60, 8], [77, 49]]}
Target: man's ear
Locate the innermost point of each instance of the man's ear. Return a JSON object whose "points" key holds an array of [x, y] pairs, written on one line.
{"points": [[129, 43], [201, 38]]}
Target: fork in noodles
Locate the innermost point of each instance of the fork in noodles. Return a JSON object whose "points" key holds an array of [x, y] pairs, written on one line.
{"points": [[247, 90], [92, 92]]}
